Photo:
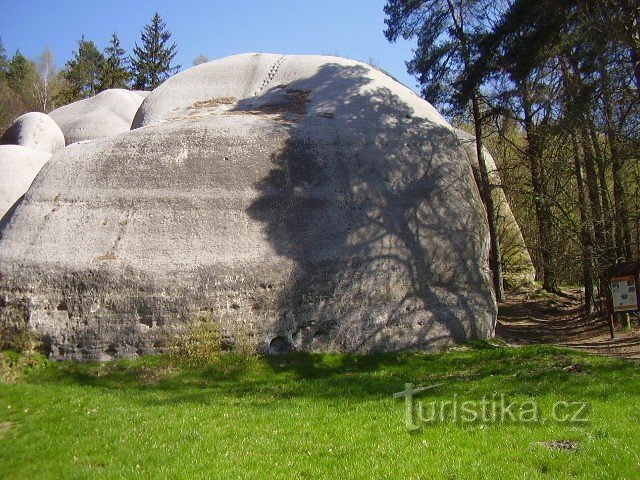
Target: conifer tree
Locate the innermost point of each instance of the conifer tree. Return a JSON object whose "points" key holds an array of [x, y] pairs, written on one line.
{"points": [[82, 72], [20, 72], [114, 72], [3, 60], [16, 89], [151, 64]]}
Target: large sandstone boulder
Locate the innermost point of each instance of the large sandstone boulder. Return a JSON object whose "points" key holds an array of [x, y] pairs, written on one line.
{"points": [[517, 265], [309, 202], [34, 130], [108, 113], [18, 166]]}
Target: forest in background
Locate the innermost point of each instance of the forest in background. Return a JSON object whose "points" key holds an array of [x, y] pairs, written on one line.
{"points": [[38, 85], [552, 89]]}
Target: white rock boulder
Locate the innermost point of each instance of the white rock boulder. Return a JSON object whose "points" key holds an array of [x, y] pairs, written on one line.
{"points": [[18, 167], [34, 130], [108, 113], [308, 202], [517, 265]]}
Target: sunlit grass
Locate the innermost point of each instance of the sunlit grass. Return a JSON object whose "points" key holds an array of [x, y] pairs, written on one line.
{"points": [[319, 416]]}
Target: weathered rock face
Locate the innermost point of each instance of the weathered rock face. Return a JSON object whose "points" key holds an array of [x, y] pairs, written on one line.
{"points": [[108, 113], [19, 166], [311, 202], [34, 130], [517, 266]]}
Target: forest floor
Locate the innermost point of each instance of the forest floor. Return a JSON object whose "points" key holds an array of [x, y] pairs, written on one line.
{"points": [[535, 317]]}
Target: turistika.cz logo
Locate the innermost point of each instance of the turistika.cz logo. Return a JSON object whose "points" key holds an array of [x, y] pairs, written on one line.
{"points": [[496, 408]]}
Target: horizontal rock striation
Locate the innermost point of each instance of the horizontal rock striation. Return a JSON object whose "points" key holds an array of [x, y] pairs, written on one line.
{"points": [[307, 202]]}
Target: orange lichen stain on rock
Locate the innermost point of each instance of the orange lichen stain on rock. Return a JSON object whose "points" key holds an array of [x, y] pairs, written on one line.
{"points": [[285, 108], [213, 102]]}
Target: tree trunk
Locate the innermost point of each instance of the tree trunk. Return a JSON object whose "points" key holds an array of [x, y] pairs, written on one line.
{"points": [[495, 260], [609, 254], [621, 215], [540, 200], [579, 110], [593, 190], [585, 232], [573, 85]]}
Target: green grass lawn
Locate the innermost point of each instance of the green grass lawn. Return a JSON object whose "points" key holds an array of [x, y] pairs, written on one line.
{"points": [[321, 416]]}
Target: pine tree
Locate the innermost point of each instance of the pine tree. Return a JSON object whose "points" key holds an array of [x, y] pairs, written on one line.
{"points": [[16, 90], [114, 72], [20, 73], [152, 62], [3, 61], [83, 72]]}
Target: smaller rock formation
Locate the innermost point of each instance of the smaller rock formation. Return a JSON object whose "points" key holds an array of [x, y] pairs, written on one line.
{"points": [[108, 113], [19, 166], [35, 130], [517, 266]]}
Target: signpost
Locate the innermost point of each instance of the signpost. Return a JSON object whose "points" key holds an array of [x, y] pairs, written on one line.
{"points": [[621, 283]]}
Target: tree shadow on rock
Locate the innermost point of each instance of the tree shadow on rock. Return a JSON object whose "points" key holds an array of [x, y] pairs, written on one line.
{"points": [[375, 206]]}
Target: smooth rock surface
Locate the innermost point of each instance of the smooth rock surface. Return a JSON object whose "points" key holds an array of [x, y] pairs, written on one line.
{"points": [[309, 202], [517, 265], [18, 167], [34, 130], [108, 113]]}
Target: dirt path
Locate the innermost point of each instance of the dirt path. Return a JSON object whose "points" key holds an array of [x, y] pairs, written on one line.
{"points": [[533, 317]]}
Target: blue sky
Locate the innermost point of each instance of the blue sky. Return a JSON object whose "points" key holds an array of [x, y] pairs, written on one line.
{"points": [[216, 28]]}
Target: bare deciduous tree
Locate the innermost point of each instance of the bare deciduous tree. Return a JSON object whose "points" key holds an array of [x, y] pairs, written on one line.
{"points": [[45, 82], [202, 58]]}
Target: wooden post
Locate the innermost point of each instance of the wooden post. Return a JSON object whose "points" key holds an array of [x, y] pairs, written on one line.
{"points": [[637, 279], [610, 313], [611, 316]]}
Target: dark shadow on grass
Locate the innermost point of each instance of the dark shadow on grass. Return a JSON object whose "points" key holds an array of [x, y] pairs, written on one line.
{"points": [[267, 381]]}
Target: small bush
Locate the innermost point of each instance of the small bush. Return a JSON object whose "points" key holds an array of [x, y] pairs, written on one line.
{"points": [[14, 331], [200, 343], [14, 365], [27, 342], [244, 346]]}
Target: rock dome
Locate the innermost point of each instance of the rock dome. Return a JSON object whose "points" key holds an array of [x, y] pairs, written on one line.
{"points": [[108, 113], [310, 202], [19, 166], [34, 130]]}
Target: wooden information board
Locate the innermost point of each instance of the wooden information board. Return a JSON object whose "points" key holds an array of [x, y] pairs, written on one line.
{"points": [[623, 293], [620, 284]]}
